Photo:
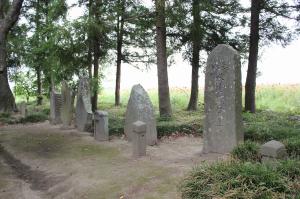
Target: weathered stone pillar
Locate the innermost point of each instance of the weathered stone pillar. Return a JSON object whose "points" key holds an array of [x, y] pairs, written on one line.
{"points": [[67, 105], [139, 139], [83, 113], [223, 101], [140, 108], [101, 131], [23, 109], [55, 107]]}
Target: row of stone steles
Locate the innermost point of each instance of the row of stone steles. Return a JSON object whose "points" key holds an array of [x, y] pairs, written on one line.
{"points": [[140, 124], [223, 127]]}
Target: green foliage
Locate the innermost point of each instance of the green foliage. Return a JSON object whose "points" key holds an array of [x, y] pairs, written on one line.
{"points": [[35, 117], [215, 25], [241, 180], [247, 152], [24, 84]]}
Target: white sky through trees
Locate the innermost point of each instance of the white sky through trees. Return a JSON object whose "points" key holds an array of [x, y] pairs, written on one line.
{"points": [[277, 65]]}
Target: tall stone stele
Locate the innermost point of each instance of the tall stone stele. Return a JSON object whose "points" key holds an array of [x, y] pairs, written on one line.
{"points": [[223, 101], [83, 111], [67, 106], [55, 107], [140, 108]]}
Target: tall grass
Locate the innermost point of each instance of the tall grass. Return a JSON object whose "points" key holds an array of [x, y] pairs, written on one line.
{"points": [[278, 98]]}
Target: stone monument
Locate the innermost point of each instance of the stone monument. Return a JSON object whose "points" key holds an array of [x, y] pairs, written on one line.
{"points": [[139, 139], [67, 105], [83, 112], [223, 101], [101, 126], [272, 151], [55, 107], [140, 108], [23, 109]]}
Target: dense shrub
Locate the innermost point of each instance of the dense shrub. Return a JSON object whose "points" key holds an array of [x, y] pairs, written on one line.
{"points": [[236, 179], [33, 118], [4, 115], [248, 151], [46, 111]]}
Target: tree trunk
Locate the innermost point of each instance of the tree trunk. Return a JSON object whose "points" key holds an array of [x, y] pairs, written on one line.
{"points": [[39, 86], [90, 42], [7, 21], [162, 70], [120, 31], [253, 56], [95, 81], [7, 100], [39, 96], [196, 37]]}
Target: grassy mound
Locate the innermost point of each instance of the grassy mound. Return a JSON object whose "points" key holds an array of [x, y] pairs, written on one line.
{"points": [[247, 152], [236, 179]]}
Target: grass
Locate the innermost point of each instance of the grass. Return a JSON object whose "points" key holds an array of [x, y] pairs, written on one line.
{"points": [[55, 145], [235, 179], [248, 152]]}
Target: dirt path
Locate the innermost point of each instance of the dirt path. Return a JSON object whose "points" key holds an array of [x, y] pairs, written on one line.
{"points": [[43, 161]]}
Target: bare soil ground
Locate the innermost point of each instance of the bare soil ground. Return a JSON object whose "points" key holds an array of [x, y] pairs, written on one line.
{"points": [[43, 161]]}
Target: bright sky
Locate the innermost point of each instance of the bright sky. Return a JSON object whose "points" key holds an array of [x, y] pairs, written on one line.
{"points": [[277, 66]]}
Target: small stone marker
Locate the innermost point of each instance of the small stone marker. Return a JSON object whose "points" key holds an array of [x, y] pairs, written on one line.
{"points": [[139, 138], [272, 151], [23, 109], [67, 105], [83, 111], [101, 126], [223, 101], [140, 108], [55, 107]]}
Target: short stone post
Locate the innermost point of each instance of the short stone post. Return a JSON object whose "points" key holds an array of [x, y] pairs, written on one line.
{"points": [[272, 151], [23, 109], [139, 140], [101, 126]]}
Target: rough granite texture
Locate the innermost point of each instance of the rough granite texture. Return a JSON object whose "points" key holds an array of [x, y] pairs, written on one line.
{"points": [[273, 149], [55, 107], [67, 106], [223, 101], [23, 109], [101, 132], [140, 108], [139, 143], [83, 112]]}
